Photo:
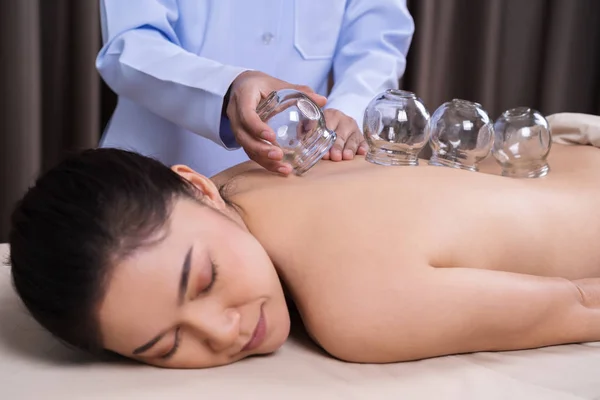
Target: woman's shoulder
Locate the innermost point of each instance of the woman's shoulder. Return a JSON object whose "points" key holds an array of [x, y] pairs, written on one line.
{"points": [[250, 176], [238, 170]]}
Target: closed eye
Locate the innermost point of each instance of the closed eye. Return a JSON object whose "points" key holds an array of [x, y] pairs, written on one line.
{"points": [[170, 353], [213, 278]]}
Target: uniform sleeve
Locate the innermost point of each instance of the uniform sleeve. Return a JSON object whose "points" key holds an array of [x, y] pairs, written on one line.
{"points": [[371, 54], [142, 59]]}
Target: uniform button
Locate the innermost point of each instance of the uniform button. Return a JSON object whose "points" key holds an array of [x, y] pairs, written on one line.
{"points": [[267, 38]]}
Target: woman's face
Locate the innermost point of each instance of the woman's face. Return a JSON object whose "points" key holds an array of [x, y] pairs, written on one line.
{"points": [[204, 296]]}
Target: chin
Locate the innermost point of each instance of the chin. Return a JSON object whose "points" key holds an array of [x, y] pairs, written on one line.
{"points": [[278, 337]]}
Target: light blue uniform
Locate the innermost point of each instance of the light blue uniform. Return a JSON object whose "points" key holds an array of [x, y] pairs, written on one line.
{"points": [[172, 61]]}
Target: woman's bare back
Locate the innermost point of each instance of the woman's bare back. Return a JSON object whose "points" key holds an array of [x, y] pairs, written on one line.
{"points": [[446, 217], [389, 263]]}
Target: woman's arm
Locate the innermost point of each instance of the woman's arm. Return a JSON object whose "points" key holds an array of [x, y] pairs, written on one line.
{"points": [[437, 312], [371, 53]]}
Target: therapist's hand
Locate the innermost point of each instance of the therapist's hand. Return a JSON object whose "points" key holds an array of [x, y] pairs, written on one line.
{"points": [[350, 140], [246, 91]]}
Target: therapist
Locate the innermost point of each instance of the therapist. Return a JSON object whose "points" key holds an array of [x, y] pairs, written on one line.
{"points": [[190, 73]]}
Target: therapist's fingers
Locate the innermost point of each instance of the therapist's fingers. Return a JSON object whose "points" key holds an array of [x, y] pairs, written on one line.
{"points": [[363, 148], [355, 141], [350, 141], [267, 155], [319, 100], [259, 149], [348, 138], [252, 123], [335, 153], [246, 92], [332, 120], [351, 145], [249, 88], [241, 111]]}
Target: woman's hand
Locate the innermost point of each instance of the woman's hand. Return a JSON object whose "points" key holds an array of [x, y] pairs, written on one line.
{"points": [[350, 140], [246, 91]]}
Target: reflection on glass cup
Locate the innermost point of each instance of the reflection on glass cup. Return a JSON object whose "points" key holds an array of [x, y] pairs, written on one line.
{"points": [[299, 127], [395, 128], [522, 143], [461, 135]]}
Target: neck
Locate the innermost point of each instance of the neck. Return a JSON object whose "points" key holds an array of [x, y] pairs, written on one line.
{"points": [[223, 177], [228, 182], [233, 210]]}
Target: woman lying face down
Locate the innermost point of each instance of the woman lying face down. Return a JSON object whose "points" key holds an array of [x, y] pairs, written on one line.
{"points": [[114, 251]]}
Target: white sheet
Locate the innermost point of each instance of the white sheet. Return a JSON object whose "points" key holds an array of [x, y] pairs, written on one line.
{"points": [[34, 366]]}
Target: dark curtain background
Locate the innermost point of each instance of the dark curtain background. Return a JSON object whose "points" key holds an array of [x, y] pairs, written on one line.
{"points": [[501, 53]]}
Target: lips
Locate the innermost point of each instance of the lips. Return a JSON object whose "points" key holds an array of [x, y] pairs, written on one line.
{"points": [[258, 336]]}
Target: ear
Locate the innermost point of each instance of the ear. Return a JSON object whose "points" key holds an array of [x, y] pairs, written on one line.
{"points": [[206, 187]]}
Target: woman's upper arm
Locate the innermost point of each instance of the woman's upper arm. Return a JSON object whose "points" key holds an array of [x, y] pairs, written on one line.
{"points": [[438, 312]]}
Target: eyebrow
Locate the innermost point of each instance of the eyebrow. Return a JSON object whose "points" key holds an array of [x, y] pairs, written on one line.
{"points": [[183, 284], [185, 276]]}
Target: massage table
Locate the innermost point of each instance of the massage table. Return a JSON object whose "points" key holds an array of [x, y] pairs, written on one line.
{"points": [[33, 365]]}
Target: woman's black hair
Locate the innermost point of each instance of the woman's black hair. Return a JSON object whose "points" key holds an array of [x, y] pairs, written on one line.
{"points": [[79, 219]]}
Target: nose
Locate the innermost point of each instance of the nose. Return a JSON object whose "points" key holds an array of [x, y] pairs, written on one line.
{"points": [[219, 328]]}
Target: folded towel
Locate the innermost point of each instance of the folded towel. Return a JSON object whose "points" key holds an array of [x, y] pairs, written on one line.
{"points": [[575, 128]]}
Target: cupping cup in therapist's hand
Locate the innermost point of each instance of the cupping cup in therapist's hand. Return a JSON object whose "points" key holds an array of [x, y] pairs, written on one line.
{"points": [[461, 135], [522, 143], [395, 128], [299, 127]]}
